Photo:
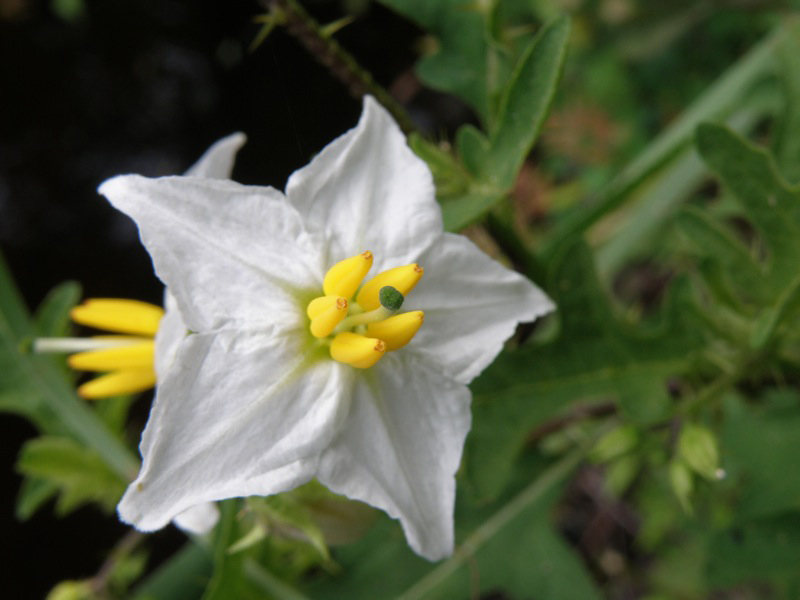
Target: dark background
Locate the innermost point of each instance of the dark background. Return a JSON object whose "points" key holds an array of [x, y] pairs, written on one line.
{"points": [[144, 87]]}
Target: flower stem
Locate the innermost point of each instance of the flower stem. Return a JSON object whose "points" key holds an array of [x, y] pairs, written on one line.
{"points": [[124, 548], [538, 488], [338, 61]]}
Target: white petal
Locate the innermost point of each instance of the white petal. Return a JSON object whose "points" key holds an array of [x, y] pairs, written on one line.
{"points": [[235, 417], [368, 191], [171, 331], [400, 447], [472, 305], [198, 519], [228, 253], [217, 162]]}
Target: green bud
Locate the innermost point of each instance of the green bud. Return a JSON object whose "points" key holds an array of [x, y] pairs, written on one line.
{"points": [[72, 590], [615, 443], [682, 482], [621, 472], [257, 533], [698, 447], [390, 298]]}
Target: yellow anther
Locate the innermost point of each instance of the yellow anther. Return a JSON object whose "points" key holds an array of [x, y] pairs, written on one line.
{"points": [[343, 278], [135, 356], [125, 316], [357, 350], [326, 312], [320, 305], [118, 383], [403, 279], [398, 330]]}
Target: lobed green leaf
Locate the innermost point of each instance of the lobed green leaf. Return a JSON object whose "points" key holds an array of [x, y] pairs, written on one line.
{"points": [[80, 474], [595, 357]]}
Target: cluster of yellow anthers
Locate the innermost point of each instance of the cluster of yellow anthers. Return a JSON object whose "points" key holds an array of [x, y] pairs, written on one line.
{"points": [[360, 332], [126, 359]]}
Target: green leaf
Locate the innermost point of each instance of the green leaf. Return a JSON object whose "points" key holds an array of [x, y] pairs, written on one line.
{"points": [[33, 493], [493, 163], [32, 385], [760, 451], [449, 175], [595, 357], [771, 204], [768, 288], [459, 63], [473, 147], [787, 130], [52, 315], [525, 104], [736, 264], [759, 551], [69, 10], [462, 211], [79, 473]]}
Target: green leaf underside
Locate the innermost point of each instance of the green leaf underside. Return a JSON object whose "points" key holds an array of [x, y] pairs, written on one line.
{"points": [[33, 386], [52, 315], [80, 474], [596, 356]]}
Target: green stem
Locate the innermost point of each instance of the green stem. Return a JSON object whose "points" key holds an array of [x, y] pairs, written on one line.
{"points": [[536, 490], [338, 61], [710, 392], [501, 228], [124, 548], [271, 585]]}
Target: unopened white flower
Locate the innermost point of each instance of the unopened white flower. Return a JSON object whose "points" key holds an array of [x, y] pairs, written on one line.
{"points": [[144, 338], [293, 370]]}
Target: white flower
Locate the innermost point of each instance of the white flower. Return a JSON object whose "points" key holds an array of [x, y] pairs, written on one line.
{"points": [[254, 404], [216, 163]]}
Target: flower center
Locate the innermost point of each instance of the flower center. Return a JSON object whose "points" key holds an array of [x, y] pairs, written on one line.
{"points": [[361, 331]]}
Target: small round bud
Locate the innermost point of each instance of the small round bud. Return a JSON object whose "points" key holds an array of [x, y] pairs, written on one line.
{"points": [[390, 298]]}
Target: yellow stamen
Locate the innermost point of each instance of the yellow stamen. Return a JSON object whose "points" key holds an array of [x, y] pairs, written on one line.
{"points": [[398, 330], [125, 316], [343, 278], [134, 356], [356, 350], [118, 383], [326, 313], [403, 279]]}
